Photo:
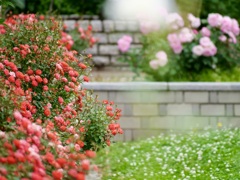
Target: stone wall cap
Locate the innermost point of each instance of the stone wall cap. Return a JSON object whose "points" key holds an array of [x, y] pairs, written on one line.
{"points": [[163, 86], [126, 86], [204, 86]]}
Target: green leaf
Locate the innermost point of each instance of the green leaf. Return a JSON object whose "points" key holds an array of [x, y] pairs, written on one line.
{"points": [[19, 3], [1, 21]]}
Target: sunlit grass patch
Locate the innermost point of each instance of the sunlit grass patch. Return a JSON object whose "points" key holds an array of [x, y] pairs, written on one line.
{"points": [[208, 155]]}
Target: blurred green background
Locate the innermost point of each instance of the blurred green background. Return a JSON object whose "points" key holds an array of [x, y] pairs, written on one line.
{"points": [[95, 7]]}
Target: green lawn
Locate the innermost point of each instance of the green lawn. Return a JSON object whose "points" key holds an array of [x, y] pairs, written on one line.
{"points": [[196, 156]]}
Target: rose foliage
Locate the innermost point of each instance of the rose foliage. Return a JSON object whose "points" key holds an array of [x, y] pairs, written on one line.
{"points": [[190, 50], [50, 126]]}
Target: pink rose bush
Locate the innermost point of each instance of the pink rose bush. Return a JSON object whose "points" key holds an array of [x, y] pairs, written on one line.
{"points": [[192, 47]]}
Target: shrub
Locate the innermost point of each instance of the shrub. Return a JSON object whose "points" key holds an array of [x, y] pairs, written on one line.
{"points": [[185, 51], [78, 39], [50, 125]]}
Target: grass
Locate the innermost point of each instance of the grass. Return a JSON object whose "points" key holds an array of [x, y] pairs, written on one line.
{"points": [[211, 155]]}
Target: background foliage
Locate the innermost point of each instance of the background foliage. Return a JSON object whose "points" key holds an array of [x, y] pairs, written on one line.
{"points": [[94, 7]]}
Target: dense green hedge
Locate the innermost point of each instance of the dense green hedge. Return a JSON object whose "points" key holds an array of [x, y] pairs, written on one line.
{"points": [[92, 7], [228, 8]]}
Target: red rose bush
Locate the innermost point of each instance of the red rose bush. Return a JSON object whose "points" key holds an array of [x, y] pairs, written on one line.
{"points": [[50, 127]]}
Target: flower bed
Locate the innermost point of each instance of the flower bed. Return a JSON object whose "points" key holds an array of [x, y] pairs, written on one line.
{"points": [[207, 155]]}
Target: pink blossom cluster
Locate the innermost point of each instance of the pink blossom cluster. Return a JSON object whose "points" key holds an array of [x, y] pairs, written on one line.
{"points": [[149, 26], [177, 39], [195, 22], [160, 61], [124, 43], [205, 48], [226, 24], [175, 21]]}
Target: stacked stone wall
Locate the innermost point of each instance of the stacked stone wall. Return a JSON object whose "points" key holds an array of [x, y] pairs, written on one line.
{"points": [[105, 52]]}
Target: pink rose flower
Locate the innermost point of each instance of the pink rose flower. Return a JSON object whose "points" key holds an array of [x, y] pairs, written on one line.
{"points": [[206, 42], [211, 51], [205, 32], [222, 38], [175, 21], [195, 22], [124, 43], [149, 26], [226, 25], [232, 38], [235, 27], [186, 35], [154, 64], [175, 43], [198, 50], [162, 58], [160, 61], [214, 19], [17, 115], [209, 48]]}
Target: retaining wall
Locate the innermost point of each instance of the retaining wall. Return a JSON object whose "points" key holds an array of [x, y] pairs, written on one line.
{"points": [[150, 108], [105, 52]]}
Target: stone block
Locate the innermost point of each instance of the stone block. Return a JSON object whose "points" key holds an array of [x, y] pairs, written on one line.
{"points": [[127, 110], [191, 122], [145, 109], [229, 110], [108, 50], [157, 97], [132, 26], [118, 138], [179, 97], [70, 24], [213, 97], [108, 26], [237, 110], [114, 37], [112, 96], [137, 37], [212, 110], [234, 122], [223, 122], [120, 25], [93, 50], [130, 122], [162, 109], [158, 122], [213, 122], [196, 97], [84, 24], [96, 25], [101, 60], [228, 97], [179, 109], [196, 109], [127, 97], [101, 37], [102, 95], [128, 135]]}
